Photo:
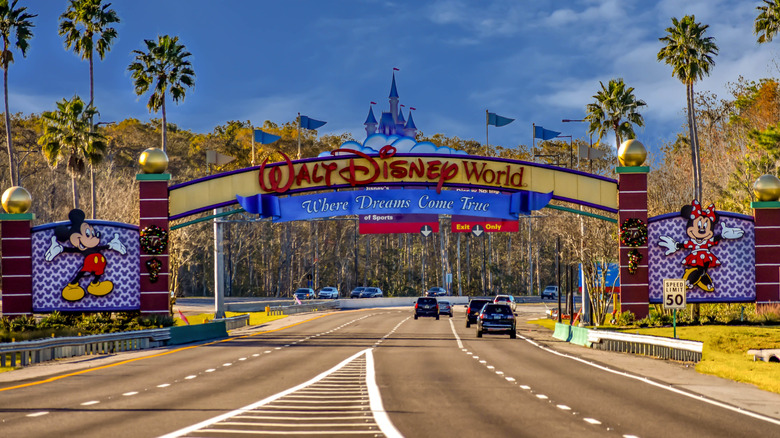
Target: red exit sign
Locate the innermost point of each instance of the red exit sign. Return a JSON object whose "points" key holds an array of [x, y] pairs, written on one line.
{"points": [[464, 224]]}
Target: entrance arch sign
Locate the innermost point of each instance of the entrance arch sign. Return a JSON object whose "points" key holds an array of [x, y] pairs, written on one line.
{"points": [[348, 169]]}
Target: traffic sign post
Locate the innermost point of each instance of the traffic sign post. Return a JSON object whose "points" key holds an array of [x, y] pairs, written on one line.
{"points": [[674, 298]]}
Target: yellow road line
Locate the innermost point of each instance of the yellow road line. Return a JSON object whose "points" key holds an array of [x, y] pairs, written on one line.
{"points": [[52, 379]]}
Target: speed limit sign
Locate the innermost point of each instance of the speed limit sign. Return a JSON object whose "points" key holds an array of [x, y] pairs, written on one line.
{"points": [[674, 293]]}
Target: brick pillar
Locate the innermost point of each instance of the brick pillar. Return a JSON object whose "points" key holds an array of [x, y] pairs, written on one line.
{"points": [[767, 223], [16, 264], [153, 209], [632, 203]]}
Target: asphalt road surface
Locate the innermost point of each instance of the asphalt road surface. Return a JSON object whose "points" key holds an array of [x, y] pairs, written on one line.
{"points": [[371, 372]]}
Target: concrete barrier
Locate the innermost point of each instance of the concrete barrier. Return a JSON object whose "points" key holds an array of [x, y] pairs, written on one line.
{"points": [[571, 333], [199, 332]]}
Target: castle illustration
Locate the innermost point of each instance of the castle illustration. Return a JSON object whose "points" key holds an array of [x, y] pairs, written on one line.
{"points": [[391, 122]]}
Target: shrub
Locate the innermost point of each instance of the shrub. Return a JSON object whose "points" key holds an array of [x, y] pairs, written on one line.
{"points": [[626, 318]]}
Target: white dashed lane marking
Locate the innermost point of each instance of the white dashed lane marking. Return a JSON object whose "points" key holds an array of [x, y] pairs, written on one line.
{"points": [[90, 403], [37, 414]]}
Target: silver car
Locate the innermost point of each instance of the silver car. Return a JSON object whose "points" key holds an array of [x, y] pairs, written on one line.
{"points": [[328, 293], [445, 308]]}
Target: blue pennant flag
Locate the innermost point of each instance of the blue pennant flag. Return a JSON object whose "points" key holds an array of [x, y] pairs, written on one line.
{"points": [[264, 137], [308, 123], [545, 134], [496, 120]]}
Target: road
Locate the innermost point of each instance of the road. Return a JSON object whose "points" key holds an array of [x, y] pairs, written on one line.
{"points": [[360, 373]]}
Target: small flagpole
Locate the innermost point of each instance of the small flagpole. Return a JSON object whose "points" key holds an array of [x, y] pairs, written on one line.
{"points": [[533, 142], [487, 123], [299, 136], [252, 134]]}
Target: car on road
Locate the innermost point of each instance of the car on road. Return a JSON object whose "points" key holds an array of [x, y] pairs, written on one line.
{"points": [[426, 306], [496, 319], [372, 292], [328, 293], [356, 292], [435, 292], [473, 308], [304, 293], [506, 299], [550, 292], [445, 308]]}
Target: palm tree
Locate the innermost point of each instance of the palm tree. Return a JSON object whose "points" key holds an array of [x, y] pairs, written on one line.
{"points": [[165, 66], [615, 109], [80, 24], [17, 21], [690, 54], [767, 22], [68, 136]]}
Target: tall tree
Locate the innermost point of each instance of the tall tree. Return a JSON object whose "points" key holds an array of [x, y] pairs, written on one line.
{"points": [[18, 22], [164, 66], [767, 23], [68, 136], [80, 24], [616, 109], [690, 54]]}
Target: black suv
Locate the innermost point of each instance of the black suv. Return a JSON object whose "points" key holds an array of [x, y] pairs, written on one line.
{"points": [[472, 313], [497, 319], [426, 306]]}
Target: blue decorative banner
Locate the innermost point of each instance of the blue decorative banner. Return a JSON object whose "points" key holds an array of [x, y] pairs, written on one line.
{"points": [[415, 201]]}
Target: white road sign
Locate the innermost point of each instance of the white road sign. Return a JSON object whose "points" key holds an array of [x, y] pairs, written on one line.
{"points": [[674, 293]]}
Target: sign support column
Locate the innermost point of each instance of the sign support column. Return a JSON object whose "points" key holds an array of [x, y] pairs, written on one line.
{"points": [[17, 264]]}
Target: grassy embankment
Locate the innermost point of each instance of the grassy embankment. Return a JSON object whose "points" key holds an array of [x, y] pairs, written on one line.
{"points": [[725, 350]]}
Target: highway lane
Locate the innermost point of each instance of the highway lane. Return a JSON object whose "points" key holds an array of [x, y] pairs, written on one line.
{"points": [[429, 383]]}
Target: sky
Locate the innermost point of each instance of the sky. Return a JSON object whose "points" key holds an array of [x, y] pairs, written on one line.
{"points": [[535, 61]]}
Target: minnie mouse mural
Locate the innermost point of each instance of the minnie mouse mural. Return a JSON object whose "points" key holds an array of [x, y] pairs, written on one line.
{"points": [[700, 229]]}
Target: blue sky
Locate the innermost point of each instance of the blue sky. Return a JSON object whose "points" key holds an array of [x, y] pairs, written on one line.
{"points": [[535, 61]]}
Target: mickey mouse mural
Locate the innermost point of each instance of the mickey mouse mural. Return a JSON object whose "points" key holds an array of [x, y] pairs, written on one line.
{"points": [[700, 230], [84, 240]]}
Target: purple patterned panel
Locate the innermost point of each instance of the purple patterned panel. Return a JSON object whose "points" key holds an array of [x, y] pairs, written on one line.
{"points": [[734, 280], [49, 278]]}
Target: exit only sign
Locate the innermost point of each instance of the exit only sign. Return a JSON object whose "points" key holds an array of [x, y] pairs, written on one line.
{"points": [[464, 224]]}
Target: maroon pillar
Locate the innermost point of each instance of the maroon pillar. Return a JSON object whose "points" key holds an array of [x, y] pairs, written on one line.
{"points": [[153, 209], [767, 222], [632, 203], [16, 264]]}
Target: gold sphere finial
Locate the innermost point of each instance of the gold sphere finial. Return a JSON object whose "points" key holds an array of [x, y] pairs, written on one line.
{"points": [[632, 153], [767, 188], [153, 160], [16, 200]]}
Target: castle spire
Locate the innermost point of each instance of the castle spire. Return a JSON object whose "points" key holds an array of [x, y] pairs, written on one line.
{"points": [[394, 99]]}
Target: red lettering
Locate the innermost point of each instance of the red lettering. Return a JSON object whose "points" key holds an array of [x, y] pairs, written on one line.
{"points": [[519, 183], [303, 175], [350, 173], [448, 171], [474, 171], [418, 168], [398, 169], [329, 169], [433, 169], [275, 176]]}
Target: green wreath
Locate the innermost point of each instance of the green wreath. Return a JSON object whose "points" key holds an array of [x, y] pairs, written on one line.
{"points": [[633, 232], [634, 257], [154, 239]]}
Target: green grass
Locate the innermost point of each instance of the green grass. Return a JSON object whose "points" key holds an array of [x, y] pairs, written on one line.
{"points": [[255, 318], [725, 350]]}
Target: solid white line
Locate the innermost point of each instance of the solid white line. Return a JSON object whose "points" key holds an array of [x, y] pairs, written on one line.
{"points": [[37, 414], [657, 385], [380, 415], [264, 401], [457, 338]]}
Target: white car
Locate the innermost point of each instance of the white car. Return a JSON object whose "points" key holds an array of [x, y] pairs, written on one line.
{"points": [[506, 299], [328, 293]]}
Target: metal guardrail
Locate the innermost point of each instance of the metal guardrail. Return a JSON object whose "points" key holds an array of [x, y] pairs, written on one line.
{"points": [[29, 352], [235, 322], [656, 346], [303, 308]]}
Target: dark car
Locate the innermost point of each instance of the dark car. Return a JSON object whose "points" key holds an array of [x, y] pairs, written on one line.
{"points": [[435, 292], [356, 292], [472, 312], [496, 319], [445, 308], [371, 292], [426, 306], [304, 293]]}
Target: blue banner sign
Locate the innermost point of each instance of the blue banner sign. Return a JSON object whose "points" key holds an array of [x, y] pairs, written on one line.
{"points": [[415, 201]]}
